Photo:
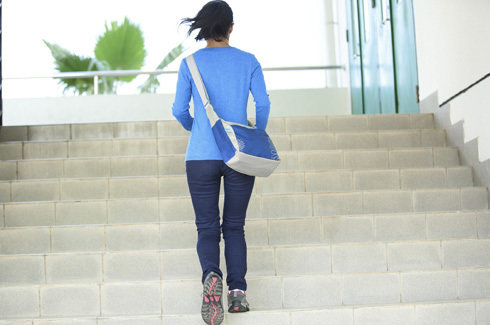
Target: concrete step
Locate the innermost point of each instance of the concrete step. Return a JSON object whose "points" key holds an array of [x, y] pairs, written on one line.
{"points": [[261, 206], [456, 312], [355, 192], [276, 125], [280, 182], [116, 235], [178, 217], [265, 294], [291, 161], [178, 144], [133, 264], [141, 211]]}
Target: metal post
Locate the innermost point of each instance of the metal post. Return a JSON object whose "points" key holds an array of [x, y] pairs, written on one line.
{"points": [[96, 85]]}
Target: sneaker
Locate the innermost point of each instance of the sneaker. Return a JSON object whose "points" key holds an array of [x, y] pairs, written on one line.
{"points": [[237, 301], [212, 307]]}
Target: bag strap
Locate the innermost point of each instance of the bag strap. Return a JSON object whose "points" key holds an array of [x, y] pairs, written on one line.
{"points": [[211, 113]]}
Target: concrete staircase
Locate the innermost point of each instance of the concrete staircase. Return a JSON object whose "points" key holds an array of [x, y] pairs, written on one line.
{"points": [[369, 220]]}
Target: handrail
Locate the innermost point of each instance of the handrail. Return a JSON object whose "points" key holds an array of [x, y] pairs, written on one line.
{"points": [[125, 73], [466, 89]]}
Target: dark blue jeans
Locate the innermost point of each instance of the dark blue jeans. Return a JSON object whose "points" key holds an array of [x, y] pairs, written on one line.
{"points": [[204, 180]]}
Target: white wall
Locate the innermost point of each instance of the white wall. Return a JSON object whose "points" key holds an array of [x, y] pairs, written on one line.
{"points": [[337, 46], [474, 108], [319, 24], [149, 107], [279, 32], [453, 51]]}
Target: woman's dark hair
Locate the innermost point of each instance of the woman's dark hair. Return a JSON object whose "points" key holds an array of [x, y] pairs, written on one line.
{"points": [[213, 20]]}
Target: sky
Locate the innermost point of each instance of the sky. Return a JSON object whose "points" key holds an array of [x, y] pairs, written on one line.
{"points": [[278, 32]]}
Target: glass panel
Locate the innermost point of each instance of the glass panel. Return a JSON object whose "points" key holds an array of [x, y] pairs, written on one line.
{"points": [[366, 6], [355, 28], [385, 11]]}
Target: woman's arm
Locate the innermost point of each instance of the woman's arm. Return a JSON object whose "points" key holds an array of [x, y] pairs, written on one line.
{"points": [[261, 98], [180, 108]]}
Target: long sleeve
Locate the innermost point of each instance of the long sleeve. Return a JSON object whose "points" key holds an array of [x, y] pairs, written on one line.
{"points": [[230, 75], [261, 98], [180, 108]]}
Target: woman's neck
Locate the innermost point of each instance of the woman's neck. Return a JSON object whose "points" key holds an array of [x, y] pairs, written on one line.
{"points": [[213, 43]]}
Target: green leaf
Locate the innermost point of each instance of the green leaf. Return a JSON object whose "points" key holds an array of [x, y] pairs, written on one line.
{"points": [[171, 56], [121, 47], [65, 61], [151, 84], [68, 62], [56, 50]]}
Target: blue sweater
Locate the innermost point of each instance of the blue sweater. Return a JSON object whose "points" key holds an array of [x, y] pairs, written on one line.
{"points": [[229, 74]]}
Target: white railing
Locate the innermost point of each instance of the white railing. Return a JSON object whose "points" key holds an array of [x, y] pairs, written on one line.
{"points": [[126, 73]]}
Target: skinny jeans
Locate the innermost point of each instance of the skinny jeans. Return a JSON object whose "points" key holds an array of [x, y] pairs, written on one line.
{"points": [[204, 180]]}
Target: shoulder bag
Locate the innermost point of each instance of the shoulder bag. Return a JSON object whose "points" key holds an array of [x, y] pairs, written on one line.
{"points": [[244, 148]]}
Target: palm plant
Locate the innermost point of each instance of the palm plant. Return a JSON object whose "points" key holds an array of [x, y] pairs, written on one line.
{"points": [[151, 84], [120, 47], [69, 62]]}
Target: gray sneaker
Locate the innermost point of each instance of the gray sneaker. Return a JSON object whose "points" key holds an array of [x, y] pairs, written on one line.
{"points": [[212, 306], [237, 301]]}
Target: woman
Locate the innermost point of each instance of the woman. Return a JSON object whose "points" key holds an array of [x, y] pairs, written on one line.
{"points": [[229, 74]]}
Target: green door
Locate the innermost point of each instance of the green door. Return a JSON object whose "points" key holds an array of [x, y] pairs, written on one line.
{"points": [[376, 61], [353, 39], [369, 56], [382, 77], [405, 55], [386, 70]]}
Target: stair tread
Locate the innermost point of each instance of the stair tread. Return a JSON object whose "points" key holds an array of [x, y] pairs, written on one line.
{"points": [[277, 133], [262, 235], [178, 144], [276, 173], [283, 152], [446, 310], [252, 313], [249, 218], [197, 279], [314, 193], [276, 124], [261, 247]]}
